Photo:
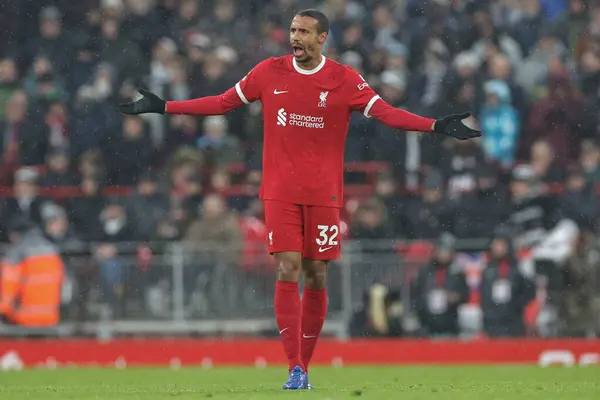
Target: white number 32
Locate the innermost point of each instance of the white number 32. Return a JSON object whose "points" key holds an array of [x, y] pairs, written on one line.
{"points": [[327, 235]]}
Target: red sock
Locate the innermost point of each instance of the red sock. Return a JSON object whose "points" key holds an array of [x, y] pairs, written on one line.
{"points": [[288, 312], [314, 311]]}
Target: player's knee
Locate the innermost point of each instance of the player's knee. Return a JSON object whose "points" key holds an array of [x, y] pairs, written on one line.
{"points": [[316, 280], [288, 268], [315, 274]]}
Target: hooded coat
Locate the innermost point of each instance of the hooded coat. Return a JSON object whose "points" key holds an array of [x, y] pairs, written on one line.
{"points": [[501, 124]]}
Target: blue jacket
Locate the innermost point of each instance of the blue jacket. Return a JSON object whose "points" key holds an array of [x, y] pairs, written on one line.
{"points": [[500, 124]]}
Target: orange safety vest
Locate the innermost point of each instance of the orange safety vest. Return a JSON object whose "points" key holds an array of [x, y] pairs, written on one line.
{"points": [[31, 279]]}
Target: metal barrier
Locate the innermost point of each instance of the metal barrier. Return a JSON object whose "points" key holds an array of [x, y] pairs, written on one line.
{"points": [[209, 288]]}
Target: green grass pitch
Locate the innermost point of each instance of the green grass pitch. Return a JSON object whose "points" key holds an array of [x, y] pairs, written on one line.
{"points": [[381, 383]]}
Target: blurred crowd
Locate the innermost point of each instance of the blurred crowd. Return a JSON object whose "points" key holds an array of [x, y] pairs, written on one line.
{"points": [[529, 70]]}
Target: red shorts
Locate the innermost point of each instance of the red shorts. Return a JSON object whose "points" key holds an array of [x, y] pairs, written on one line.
{"points": [[313, 231]]}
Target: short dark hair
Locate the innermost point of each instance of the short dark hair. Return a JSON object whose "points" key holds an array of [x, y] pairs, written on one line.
{"points": [[322, 20]]}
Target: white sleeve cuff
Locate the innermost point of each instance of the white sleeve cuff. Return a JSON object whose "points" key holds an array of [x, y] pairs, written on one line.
{"points": [[238, 89], [370, 104]]}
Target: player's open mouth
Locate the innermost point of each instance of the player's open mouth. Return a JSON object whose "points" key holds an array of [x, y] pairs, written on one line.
{"points": [[298, 50]]}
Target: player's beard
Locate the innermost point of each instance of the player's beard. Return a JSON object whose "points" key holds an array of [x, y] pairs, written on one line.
{"points": [[306, 56]]}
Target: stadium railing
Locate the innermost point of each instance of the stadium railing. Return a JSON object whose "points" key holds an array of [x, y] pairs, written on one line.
{"points": [[212, 288]]}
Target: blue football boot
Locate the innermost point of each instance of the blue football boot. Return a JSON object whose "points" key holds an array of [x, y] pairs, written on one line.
{"points": [[296, 380], [308, 385]]}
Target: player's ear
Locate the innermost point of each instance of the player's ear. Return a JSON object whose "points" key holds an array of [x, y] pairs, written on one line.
{"points": [[322, 38]]}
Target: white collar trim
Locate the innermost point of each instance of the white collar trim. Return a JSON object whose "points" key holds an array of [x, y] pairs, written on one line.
{"points": [[306, 71]]}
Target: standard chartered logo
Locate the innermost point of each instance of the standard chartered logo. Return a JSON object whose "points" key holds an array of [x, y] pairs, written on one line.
{"points": [[304, 121], [281, 117]]}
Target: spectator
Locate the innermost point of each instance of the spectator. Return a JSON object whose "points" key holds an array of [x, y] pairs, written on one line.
{"points": [[500, 69], [371, 222], [183, 131], [58, 173], [500, 122], [57, 123], [380, 314], [476, 214], [115, 224], [141, 14], [544, 164], [112, 277], [219, 146], [9, 83], [197, 48], [555, 118], [174, 225], [53, 40], [386, 190], [94, 115], [163, 57], [243, 202], [84, 64], [589, 160], [147, 207], [387, 144], [91, 165], [186, 188], [27, 203], [493, 41], [24, 138], [77, 282], [531, 21], [579, 307], [119, 51], [220, 180], [532, 213], [57, 229], [83, 211], [226, 21], [439, 289], [460, 166], [133, 143], [579, 202], [504, 290], [187, 17], [572, 24], [532, 75], [45, 87], [217, 226], [31, 277], [428, 214], [216, 246], [214, 78]]}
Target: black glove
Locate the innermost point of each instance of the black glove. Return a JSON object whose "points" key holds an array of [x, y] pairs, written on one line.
{"points": [[150, 103], [452, 126]]}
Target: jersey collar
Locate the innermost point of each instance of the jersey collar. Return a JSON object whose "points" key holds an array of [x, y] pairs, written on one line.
{"points": [[306, 71]]}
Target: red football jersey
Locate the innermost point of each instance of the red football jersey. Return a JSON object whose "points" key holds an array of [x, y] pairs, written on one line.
{"points": [[306, 116]]}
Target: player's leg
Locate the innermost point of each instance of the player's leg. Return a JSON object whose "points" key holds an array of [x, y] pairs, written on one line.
{"points": [[314, 306], [321, 244], [288, 307], [284, 224]]}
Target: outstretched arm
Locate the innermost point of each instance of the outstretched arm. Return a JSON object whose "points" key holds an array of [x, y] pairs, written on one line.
{"points": [[363, 98], [398, 118], [210, 105], [245, 91], [450, 125]]}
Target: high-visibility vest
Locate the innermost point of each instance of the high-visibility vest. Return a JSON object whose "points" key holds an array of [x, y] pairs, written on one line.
{"points": [[31, 278]]}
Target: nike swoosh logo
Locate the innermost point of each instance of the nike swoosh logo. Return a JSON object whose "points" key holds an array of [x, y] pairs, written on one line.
{"points": [[309, 337], [324, 249], [283, 330], [279, 92]]}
